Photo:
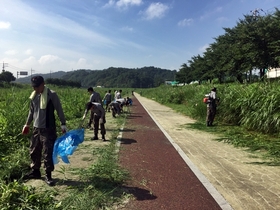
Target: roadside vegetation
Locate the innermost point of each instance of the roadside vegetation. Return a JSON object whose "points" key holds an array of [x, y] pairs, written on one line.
{"points": [[248, 115], [99, 186]]}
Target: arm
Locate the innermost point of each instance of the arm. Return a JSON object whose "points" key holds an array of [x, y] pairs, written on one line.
{"points": [[58, 108], [30, 114]]}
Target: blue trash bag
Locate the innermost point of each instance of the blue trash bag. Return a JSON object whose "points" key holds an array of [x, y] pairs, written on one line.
{"points": [[66, 144]]}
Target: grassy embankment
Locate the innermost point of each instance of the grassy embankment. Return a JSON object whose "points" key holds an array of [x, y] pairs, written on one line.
{"points": [[247, 116], [97, 186]]}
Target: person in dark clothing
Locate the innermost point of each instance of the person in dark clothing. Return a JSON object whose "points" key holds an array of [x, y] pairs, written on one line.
{"points": [[98, 118], [115, 107], [94, 97], [43, 104], [211, 107]]}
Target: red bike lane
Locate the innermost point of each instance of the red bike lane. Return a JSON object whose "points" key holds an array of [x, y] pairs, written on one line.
{"points": [[160, 179]]}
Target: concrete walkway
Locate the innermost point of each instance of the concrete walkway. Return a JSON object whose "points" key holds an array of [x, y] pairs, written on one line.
{"points": [[240, 177]]}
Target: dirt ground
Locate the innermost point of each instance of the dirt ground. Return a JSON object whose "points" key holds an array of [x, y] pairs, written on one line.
{"points": [[83, 157]]}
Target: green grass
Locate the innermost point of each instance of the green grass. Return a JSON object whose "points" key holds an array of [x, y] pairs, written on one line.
{"points": [[100, 185], [247, 116]]}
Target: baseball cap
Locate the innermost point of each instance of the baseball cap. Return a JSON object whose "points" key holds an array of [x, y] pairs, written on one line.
{"points": [[37, 81]]}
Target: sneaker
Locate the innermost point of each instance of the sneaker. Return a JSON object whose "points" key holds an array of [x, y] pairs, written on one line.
{"points": [[49, 180], [34, 174], [94, 138]]}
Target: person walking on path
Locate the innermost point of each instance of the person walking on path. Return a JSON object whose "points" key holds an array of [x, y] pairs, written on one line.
{"points": [[98, 118], [211, 107], [43, 103], [94, 97], [107, 99]]}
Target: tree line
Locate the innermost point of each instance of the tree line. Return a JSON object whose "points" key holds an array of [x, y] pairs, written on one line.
{"points": [[146, 77], [63, 82], [252, 45]]}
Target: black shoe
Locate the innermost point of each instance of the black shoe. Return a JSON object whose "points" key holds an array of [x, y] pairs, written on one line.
{"points": [[94, 138], [48, 179], [34, 174], [103, 138]]}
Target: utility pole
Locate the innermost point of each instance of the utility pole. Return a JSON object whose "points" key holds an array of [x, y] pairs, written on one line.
{"points": [[31, 71], [4, 65]]}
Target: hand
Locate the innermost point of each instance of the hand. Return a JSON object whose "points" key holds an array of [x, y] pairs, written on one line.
{"points": [[101, 121], [25, 130], [63, 128]]}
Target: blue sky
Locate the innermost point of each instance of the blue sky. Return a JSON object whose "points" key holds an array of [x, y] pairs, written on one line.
{"points": [[54, 35]]}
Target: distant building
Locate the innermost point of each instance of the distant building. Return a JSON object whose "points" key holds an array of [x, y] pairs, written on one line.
{"points": [[273, 73], [168, 82], [173, 83]]}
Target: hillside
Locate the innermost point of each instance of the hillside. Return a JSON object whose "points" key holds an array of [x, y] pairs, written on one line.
{"points": [[145, 77], [26, 80]]}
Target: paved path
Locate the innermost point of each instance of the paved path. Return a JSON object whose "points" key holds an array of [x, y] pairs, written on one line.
{"points": [[160, 177], [238, 176]]}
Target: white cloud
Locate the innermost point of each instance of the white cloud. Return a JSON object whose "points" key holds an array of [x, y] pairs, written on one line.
{"points": [[123, 4], [45, 59], [28, 51], [11, 52], [185, 22], [110, 3], [4, 25], [30, 60], [203, 48], [126, 3], [155, 10]]}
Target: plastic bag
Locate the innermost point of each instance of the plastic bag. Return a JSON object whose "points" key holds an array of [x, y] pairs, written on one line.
{"points": [[66, 144]]}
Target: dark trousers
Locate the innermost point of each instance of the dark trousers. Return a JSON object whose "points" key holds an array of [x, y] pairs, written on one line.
{"points": [[211, 112], [42, 143], [96, 125], [107, 108], [90, 118], [115, 110]]}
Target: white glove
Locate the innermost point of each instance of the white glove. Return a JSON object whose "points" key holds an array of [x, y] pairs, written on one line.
{"points": [[101, 121], [63, 128]]}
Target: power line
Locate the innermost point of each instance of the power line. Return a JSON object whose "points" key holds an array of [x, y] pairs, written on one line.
{"points": [[16, 68]]}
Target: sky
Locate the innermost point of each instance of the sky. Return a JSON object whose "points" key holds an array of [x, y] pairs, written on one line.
{"points": [[41, 37]]}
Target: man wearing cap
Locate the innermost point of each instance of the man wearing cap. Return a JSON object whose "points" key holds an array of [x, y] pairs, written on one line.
{"points": [[43, 103]]}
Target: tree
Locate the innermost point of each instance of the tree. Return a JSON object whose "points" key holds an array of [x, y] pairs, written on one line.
{"points": [[7, 76]]}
